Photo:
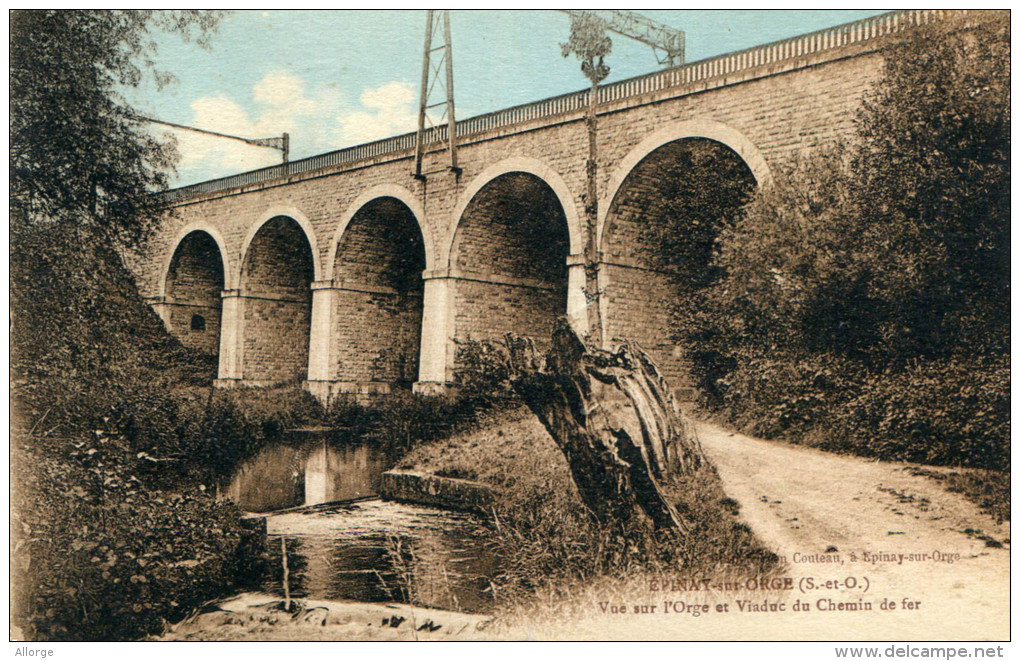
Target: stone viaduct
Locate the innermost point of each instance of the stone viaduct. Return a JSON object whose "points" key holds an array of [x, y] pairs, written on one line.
{"points": [[345, 272]]}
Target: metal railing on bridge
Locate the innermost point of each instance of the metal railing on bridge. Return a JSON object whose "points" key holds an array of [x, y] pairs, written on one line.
{"points": [[777, 52]]}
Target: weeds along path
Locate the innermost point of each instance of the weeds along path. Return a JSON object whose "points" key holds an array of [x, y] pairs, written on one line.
{"points": [[802, 502]]}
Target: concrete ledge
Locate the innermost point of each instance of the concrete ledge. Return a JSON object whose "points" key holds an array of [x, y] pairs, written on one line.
{"points": [[685, 394], [319, 390], [362, 392], [432, 388], [245, 383], [426, 489]]}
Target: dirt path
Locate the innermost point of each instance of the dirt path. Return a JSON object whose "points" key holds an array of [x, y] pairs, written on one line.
{"points": [[802, 502]]}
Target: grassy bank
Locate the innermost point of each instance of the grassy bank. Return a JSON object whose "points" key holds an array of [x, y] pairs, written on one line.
{"points": [[556, 560], [987, 489], [114, 446]]}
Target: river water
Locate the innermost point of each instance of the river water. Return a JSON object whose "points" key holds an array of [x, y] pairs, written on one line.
{"points": [[367, 550]]}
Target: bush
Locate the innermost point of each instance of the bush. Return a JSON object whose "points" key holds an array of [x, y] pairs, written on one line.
{"points": [[482, 373], [863, 299], [945, 412], [116, 434], [951, 411], [780, 394], [402, 421], [220, 430], [99, 556]]}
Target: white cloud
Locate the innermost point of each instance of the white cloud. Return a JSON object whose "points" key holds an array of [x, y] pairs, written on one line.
{"points": [[284, 93], [317, 120], [389, 110], [282, 104]]}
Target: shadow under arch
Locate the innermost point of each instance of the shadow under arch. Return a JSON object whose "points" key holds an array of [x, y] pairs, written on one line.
{"points": [[377, 267], [650, 254], [698, 128], [508, 255], [191, 288], [382, 190], [277, 270], [525, 165], [269, 214], [198, 226]]}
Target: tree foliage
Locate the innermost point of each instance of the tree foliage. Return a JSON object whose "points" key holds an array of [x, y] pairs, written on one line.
{"points": [[877, 262], [932, 190], [82, 176], [97, 383], [699, 190], [896, 246], [78, 157], [589, 42]]}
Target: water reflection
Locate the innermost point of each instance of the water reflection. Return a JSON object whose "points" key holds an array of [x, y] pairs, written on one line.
{"points": [[382, 551], [368, 550], [311, 472]]}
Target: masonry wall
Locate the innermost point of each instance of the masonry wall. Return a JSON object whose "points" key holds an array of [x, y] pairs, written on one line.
{"points": [[639, 305], [378, 275], [377, 337], [486, 311], [780, 109], [641, 294], [193, 286], [275, 286], [510, 261]]}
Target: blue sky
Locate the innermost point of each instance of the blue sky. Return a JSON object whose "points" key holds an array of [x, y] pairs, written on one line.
{"points": [[336, 78]]}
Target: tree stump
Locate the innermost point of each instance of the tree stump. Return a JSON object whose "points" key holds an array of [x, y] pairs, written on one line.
{"points": [[612, 415]]}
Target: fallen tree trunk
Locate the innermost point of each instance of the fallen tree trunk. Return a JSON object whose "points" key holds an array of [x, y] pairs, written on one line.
{"points": [[614, 419]]}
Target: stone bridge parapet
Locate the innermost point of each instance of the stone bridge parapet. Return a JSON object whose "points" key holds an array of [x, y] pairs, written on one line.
{"points": [[344, 272]]}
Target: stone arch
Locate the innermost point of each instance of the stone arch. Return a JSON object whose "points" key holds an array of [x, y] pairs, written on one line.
{"points": [[528, 166], [278, 267], [198, 226], [698, 128], [377, 266], [639, 281], [382, 190], [508, 255], [191, 288], [294, 214]]}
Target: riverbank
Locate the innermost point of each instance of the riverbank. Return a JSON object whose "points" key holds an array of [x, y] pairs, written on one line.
{"points": [[556, 560], [257, 616]]}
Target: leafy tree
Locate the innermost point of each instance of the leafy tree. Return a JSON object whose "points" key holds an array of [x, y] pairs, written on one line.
{"points": [[97, 383], [896, 246], [698, 192], [589, 43], [787, 269], [77, 156], [82, 177], [865, 294], [932, 186]]}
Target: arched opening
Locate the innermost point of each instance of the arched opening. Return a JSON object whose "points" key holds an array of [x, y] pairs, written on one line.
{"points": [[276, 278], [509, 259], [379, 294], [661, 230], [194, 283]]}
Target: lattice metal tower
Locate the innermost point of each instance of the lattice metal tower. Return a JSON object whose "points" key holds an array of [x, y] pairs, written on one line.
{"points": [[436, 93]]}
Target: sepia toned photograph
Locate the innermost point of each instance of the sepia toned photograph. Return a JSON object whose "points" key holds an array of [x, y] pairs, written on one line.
{"points": [[511, 325]]}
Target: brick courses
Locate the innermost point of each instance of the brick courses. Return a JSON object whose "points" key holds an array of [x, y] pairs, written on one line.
{"points": [[275, 287], [774, 111], [193, 285]]}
